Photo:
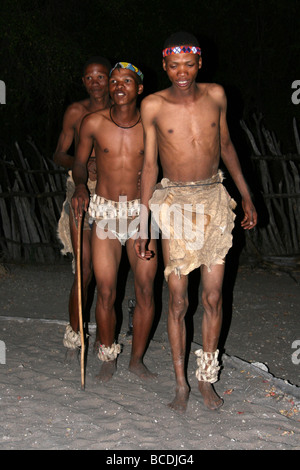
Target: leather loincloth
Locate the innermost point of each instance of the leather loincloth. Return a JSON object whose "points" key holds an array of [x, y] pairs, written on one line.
{"points": [[197, 217]]}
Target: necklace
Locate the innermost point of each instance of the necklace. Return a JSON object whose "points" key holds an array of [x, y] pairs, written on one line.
{"points": [[123, 127]]}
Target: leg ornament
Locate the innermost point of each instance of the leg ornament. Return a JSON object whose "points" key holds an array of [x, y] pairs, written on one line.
{"points": [[109, 353], [71, 339], [208, 366]]}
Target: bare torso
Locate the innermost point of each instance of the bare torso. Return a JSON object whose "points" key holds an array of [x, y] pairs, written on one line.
{"points": [[119, 157], [188, 134]]}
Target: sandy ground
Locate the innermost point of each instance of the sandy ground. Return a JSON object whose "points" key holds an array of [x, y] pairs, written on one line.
{"points": [[44, 407]]}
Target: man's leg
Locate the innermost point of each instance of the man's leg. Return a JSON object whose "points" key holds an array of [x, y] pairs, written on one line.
{"points": [[211, 327], [72, 337], [144, 274], [178, 304], [106, 255], [86, 268]]}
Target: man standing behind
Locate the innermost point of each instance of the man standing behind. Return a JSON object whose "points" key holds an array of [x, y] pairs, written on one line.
{"points": [[117, 135], [95, 81], [186, 124]]}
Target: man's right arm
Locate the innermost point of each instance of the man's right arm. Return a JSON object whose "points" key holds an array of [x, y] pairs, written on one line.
{"points": [[67, 135], [150, 169], [80, 199]]}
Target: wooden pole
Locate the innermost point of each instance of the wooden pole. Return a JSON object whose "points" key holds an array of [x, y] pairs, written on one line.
{"points": [[80, 300]]}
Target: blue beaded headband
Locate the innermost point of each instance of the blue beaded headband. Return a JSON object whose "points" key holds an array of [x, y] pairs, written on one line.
{"points": [[127, 65]]}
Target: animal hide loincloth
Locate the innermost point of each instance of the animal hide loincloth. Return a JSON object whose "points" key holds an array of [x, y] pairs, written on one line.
{"points": [[197, 218]]}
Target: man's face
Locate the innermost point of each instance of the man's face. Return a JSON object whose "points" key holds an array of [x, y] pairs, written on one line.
{"points": [[123, 86], [95, 80], [182, 69]]}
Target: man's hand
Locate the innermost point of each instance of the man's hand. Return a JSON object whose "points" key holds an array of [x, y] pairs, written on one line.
{"points": [[250, 219], [80, 200], [140, 246]]}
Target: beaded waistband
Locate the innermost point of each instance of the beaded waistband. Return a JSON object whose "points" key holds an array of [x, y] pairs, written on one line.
{"points": [[107, 209]]}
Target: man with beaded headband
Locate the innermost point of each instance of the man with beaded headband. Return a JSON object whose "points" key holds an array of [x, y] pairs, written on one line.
{"points": [[117, 136], [186, 124]]}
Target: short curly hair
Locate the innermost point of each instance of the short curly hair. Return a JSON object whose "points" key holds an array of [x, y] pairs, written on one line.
{"points": [[97, 60], [181, 38]]}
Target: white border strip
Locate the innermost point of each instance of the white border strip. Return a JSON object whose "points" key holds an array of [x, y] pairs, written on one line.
{"points": [[41, 320]]}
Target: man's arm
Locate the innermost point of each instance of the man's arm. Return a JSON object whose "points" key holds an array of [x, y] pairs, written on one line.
{"points": [[80, 199], [230, 159], [67, 135], [149, 171]]}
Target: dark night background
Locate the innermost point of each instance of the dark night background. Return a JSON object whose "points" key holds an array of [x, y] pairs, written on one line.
{"points": [[250, 47]]}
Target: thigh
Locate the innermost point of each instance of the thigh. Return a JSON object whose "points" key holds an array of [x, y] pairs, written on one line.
{"points": [[106, 256], [142, 269], [212, 280], [177, 285]]}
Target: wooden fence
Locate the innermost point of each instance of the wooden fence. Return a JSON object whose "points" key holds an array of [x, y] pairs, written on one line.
{"points": [[32, 192], [277, 179]]}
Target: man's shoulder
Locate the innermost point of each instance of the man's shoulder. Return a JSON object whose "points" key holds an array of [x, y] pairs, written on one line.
{"points": [[96, 117], [214, 90], [153, 101], [78, 106], [153, 98], [76, 110]]}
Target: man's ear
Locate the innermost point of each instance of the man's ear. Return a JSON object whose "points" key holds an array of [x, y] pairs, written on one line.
{"points": [[140, 89], [200, 62], [164, 64]]}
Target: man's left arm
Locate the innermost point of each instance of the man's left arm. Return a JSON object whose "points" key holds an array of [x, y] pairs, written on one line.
{"points": [[231, 161]]}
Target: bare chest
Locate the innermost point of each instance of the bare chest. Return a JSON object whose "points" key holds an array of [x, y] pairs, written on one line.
{"points": [[120, 147], [190, 123]]}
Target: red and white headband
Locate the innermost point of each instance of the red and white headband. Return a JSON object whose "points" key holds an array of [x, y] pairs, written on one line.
{"points": [[181, 50]]}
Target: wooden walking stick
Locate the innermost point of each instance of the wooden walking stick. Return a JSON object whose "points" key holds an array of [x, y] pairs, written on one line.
{"points": [[80, 300]]}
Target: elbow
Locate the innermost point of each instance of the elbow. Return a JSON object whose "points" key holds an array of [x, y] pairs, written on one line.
{"points": [[226, 146]]}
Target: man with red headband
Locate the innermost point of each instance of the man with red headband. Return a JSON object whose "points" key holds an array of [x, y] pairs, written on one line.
{"points": [[186, 124]]}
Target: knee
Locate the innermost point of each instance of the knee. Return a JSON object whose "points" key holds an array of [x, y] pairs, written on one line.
{"points": [[144, 293], [212, 301], [178, 304], [106, 296]]}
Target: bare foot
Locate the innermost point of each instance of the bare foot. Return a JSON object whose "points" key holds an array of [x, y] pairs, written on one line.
{"points": [[180, 401], [139, 369], [72, 356], [210, 397], [107, 371]]}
